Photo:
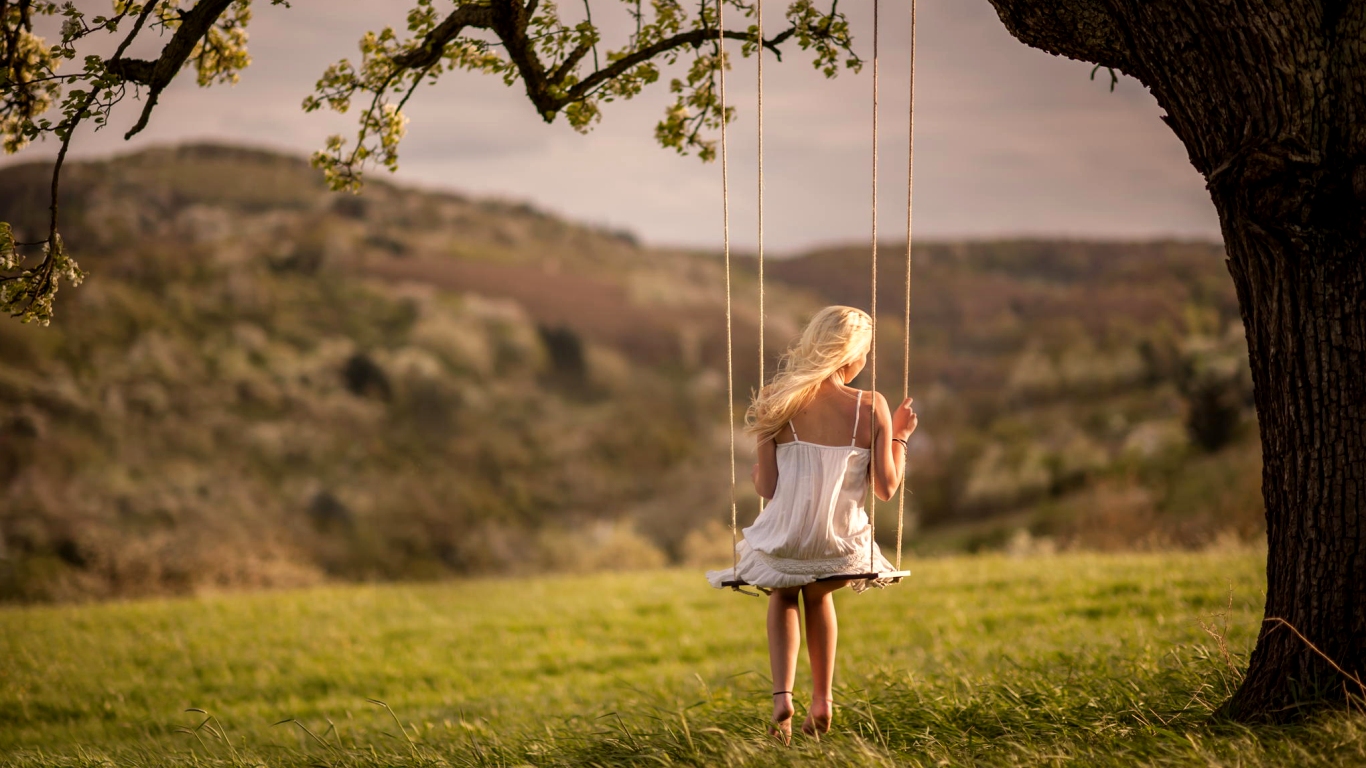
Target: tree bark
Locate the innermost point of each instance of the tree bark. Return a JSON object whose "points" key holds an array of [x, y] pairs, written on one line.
{"points": [[1270, 100], [1302, 294]]}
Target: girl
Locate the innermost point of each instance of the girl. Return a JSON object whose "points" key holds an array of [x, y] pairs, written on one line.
{"points": [[816, 436]]}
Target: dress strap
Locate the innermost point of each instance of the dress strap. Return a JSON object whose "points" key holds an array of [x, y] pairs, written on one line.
{"points": [[858, 409], [792, 425]]}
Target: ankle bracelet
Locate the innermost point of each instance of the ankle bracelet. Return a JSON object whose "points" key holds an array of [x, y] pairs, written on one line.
{"points": [[780, 693]]}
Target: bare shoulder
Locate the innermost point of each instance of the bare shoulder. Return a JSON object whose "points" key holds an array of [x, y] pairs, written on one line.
{"points": [[873, 403], [881, 412], [878, 403]]}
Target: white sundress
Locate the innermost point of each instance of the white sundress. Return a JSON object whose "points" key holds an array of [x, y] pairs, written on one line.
{"points": [[815, 525]]}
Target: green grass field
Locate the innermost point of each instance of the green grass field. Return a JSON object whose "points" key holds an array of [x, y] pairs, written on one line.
{"points": [[1073, 659]]}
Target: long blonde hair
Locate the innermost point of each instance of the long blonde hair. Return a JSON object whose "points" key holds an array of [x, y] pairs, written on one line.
{"points": [[835, 337]]}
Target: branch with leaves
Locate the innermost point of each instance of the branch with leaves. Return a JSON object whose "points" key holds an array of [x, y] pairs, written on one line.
{"points": [[210, 36], [519, 40], [531, 43], [28, 292]]}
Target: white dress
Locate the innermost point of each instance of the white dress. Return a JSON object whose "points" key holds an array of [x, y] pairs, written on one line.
{"points": [[815, 525]]}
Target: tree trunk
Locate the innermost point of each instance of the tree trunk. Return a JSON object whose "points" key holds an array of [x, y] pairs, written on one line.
{"points": [[1269, 97], [1303, 295]]}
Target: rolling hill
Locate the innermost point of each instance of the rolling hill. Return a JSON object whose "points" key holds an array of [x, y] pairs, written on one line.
{"points": [[264, 383]]}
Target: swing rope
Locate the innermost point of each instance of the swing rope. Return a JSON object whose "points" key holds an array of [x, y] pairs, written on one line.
{"points": [[906, 351], [725, 225], [872, 314], [759, 52], [725, 202]]}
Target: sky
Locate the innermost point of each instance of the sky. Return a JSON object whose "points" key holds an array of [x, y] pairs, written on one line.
{"points": [[1009, 141]]}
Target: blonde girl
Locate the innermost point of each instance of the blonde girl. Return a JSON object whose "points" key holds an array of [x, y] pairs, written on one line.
{"points": [[816, 436]]}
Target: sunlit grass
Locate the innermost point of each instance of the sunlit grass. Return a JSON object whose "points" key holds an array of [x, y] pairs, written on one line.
{"points": [[1080, 658]]}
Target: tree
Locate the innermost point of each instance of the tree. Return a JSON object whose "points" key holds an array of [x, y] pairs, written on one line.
{"points": [[1269, 98], [526, 41], [1267, 95]]}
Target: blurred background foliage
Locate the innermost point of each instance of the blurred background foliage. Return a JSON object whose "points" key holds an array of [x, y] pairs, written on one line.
{"points": [[267, 384]]}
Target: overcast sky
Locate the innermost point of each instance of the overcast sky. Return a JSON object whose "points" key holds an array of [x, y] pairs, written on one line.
{"points": [[1009, 140]]}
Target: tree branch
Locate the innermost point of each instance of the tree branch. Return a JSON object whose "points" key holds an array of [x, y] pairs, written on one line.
{"points": [[552, 73], [156, 75], [692, 38], [508, 19], [511, 26], [1078, 29], [42, 289], [429, 51], [571, 61]]}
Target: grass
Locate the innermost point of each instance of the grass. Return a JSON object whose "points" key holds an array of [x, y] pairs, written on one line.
{"points": [[1100, 660]]}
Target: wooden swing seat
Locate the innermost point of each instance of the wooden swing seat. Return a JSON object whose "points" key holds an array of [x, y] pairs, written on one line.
{"points": [[893, 577]]}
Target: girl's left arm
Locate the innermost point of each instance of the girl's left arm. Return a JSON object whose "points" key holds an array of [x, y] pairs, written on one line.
{"points": [[889, 444], [887, 452], [765, 473]]}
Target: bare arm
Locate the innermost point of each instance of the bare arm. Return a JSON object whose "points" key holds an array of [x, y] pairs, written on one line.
{"points": [[765, 473], [889, 449]]}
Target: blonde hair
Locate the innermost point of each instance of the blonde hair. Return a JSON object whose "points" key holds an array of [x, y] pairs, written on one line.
{"points": [[835, 337]]}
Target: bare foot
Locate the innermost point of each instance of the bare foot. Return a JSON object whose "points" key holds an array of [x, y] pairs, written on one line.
{"points": [[780, 727], [818, 719]]}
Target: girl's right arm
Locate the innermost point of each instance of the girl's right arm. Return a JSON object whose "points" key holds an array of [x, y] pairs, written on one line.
{"points": [[765, 474]]}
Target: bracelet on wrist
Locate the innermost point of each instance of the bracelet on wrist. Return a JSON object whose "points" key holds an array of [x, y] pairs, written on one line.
{"points": [[902, 441]]}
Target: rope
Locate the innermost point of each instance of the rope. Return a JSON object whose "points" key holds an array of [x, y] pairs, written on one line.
{"points": [[725, 202], [872, 461], [725, 226], [906, 353], [759, 51]]}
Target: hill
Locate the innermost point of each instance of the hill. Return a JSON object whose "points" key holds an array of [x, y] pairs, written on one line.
{"points": [[266, 383], [263, 383]]}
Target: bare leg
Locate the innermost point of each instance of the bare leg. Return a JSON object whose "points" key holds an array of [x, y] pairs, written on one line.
{"points": [[822, 634], [784, 640]]}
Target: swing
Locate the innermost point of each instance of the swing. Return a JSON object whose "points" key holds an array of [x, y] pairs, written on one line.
{"points": [[881, 578]]}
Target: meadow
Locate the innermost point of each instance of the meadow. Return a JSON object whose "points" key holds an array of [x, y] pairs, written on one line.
{"points": [[987, 660]]}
